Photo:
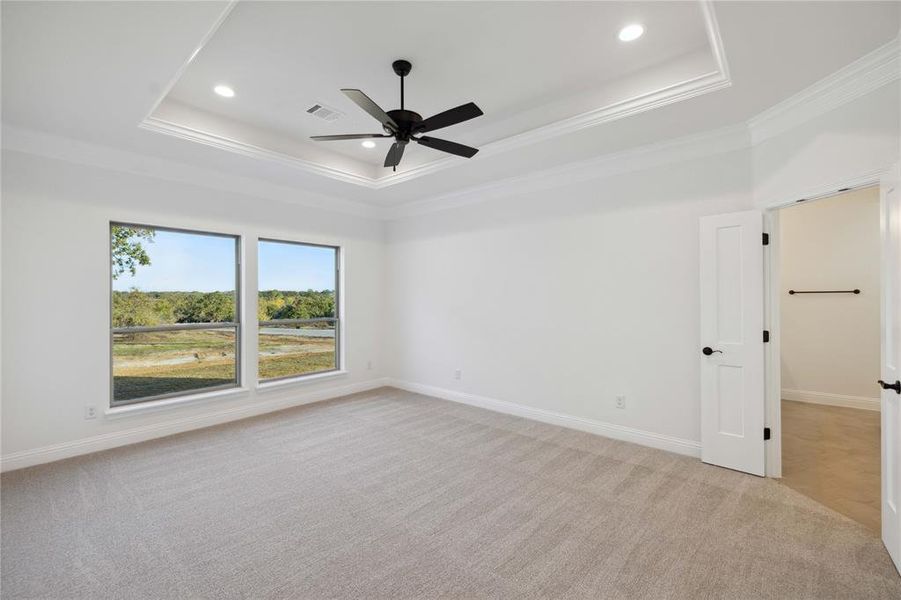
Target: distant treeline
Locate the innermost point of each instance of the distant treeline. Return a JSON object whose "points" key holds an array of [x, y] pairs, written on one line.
{"points": [[146, 309], [275, 304]]}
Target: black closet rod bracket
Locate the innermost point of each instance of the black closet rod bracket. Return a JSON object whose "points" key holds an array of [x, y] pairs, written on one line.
{"points": [[793, 292]]}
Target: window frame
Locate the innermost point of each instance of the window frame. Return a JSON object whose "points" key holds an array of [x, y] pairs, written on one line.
{"points": [[236, 324], [337, 319]]}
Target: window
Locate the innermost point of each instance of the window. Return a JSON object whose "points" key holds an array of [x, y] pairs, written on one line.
{"points": [[175, 318], [298, 309]]}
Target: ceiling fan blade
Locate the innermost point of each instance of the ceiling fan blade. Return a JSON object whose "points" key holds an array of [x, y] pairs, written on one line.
{"points": [[446, 146], [395, 154], [464, 112], [349, 136], [366, 103]]}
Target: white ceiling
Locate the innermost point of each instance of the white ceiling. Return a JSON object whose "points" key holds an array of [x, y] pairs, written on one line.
{"points": [[526, 64], [94, 71]]}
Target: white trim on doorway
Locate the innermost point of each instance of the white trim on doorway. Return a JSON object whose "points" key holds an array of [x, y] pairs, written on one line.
{"points": [[773, 392]]}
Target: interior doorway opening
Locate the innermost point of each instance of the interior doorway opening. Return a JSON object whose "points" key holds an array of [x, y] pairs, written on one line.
{"points": [[829, 351]]}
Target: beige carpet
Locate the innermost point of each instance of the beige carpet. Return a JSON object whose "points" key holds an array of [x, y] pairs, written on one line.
{"points": [[389, 494]]}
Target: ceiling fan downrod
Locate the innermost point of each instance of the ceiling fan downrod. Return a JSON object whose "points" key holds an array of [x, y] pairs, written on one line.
{"points": [[402, 68]]}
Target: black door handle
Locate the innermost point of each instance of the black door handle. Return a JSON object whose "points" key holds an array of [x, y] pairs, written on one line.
{"points": [[891, 386], [708, 351]]}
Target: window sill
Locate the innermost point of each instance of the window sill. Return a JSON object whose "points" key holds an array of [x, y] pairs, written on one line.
{"points": [[154, 405], [301, 379]]}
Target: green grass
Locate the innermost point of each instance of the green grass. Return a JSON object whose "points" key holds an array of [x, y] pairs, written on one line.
{"points": [[295, 364], [153, 345], [285, 356], [131, 383], [152, 364]]}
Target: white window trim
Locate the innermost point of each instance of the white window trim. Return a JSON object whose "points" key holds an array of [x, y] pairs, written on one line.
{"points": [[166, 403], [340, 320], [301, 379], [238, 324]]}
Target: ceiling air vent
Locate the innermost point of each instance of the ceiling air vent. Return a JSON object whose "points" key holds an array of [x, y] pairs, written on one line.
{"points": [[326, 113]]}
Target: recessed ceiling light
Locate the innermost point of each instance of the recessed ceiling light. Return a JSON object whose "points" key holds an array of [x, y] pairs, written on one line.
{"points": [[631, 32], [224, 91], [368, 144]]}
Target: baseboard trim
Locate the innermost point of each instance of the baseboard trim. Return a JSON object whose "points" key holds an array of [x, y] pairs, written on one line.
{"points": [[271, 402], [861, 402], [610, 430]]}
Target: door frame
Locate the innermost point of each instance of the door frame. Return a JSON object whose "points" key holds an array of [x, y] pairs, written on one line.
{"points": [[772, 365]]}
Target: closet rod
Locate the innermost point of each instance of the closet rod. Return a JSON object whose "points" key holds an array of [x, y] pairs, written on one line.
{"points": [[854, 291]]}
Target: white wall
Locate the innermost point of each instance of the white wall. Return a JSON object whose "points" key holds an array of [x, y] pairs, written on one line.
{"points": [[55, 346], [556, 301], [561, 300], [830, 342], [858, 138]]}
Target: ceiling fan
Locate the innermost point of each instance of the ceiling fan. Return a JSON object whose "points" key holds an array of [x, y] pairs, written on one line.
{"points": [[405, 125]]}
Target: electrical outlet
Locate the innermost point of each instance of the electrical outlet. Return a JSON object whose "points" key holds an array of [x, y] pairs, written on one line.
{"points": [[620, 402], [90, 412], [458, 374], [369, 365]]}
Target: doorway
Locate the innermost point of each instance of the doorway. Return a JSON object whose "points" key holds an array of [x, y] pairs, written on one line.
{"points": [[829, 351]]}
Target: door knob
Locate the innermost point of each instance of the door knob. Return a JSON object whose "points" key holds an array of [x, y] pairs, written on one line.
{"points": [[891, 386], [708, 351]]}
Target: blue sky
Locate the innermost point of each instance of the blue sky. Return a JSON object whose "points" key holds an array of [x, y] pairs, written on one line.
{"points": [[295, 267], [205, 263]]}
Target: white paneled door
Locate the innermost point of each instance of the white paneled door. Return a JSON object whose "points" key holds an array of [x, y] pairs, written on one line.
{"points": [[891, 363], [731, 352]]}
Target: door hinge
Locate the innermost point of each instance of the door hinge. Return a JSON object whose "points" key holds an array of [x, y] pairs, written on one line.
{"points": [[766, 433], [766, 239], [766, 336]]}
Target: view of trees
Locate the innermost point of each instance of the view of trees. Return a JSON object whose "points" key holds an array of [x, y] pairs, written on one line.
{"points": [[156, 363], [127, 250], [275, 304], [144, 309], [135, 308]]}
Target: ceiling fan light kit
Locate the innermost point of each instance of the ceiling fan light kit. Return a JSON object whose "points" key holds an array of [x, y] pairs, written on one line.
{"points": [[406, 125]]}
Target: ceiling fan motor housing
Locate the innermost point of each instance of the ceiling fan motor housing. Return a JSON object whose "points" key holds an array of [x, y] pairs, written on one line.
{"points": [[406, 124], [403, 124]]}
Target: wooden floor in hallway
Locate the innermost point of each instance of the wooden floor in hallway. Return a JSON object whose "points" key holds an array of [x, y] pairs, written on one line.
{"points": [[831, 454]]}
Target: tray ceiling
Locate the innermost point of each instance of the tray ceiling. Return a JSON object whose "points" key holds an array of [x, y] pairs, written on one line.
{"points": [[541, 74]]}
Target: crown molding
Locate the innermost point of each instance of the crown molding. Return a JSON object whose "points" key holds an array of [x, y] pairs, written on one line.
{"points": [[854, 81], [684, 90], [214, 27], [870, 72], [93, 155], [620, 110], [224, 143], [637, 159], [677, 92], [865, 75], [710, 143]]}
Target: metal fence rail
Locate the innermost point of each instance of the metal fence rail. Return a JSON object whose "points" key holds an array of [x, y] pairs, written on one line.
{"points": [[275, 322], [175, 327]]}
